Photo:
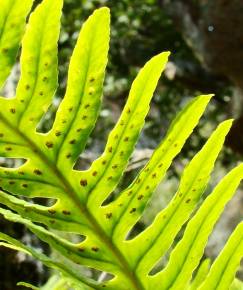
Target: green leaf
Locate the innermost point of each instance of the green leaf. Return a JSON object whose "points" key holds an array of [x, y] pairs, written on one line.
{"points": [[138, 193], [223, 269], [73, 275], [79, 110], [78, 196], [156, 239], [12, 22], [187, 254], [236, 285], [105, 172], [56, 282], [37, 84], [201, 275], [38, 79], [27, 285]]}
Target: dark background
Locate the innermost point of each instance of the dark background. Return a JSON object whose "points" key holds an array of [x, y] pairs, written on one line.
{"points": [[206, 41]]}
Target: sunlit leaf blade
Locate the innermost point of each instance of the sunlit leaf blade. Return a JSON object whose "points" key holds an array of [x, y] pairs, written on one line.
{"points": [[38, 80], [57, 282], [33, 179], [75, 252], [187, 254], [157, 238], [28, 285], [74, 275], [105, 172], [12, 22], [79, 110], [236, 285], [200, 275], [65, 248], [73, 219], [41, 214], [129, 206], [15, 143], [224, 268]]}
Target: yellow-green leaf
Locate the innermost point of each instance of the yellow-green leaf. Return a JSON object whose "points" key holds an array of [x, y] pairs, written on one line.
{"points": [[12, 23]]}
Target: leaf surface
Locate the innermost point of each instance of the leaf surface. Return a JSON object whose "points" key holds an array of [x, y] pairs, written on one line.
{"points": [[156, 239], [79, 109], [75, 222], [187, 254], [201, 275], [223, 270], [136, 196], [12, 23]]}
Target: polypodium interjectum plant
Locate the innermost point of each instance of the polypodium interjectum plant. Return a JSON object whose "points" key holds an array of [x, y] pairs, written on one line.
{"points": [[49, 158]]}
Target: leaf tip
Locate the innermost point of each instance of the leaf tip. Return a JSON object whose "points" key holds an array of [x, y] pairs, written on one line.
{"points": [[207, 97], [163, 55], [103, 11], [159, 61], [227, 123]]}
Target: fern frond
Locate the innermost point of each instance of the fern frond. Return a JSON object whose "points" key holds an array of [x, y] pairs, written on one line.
{"points": [[199, 278], [156, 239], [73, 275], [79, 110], [103, 179], [223, 270], [187, 254], [79, 196], [136, 196], [12, 23]]}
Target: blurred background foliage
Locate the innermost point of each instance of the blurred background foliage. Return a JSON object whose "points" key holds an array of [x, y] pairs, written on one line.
{"points": [[139, 30]]}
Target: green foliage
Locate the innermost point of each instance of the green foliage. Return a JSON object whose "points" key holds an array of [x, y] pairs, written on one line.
{"points": [[12, 22], [137, 26], [79, 196]]}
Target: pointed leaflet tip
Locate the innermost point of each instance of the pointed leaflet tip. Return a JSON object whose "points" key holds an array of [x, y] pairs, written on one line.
{"points": [[38, 81], [207, 98], [11, 35], [163, 56], [155, 67], [226, 124], [103, 11], [102, 16]]}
